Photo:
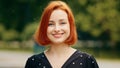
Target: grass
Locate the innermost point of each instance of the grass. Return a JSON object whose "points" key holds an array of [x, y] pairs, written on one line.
{"points": [[101, 53], [17, 49]]}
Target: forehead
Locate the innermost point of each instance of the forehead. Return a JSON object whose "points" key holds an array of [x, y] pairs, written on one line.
{"points": [[58, 14]]}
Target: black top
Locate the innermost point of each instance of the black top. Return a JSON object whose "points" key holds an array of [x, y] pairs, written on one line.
{"points": [[77, 60]]}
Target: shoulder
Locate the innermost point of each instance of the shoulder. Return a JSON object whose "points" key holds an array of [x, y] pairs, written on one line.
{"points": [[34, 60], [86, 59], [36, 56], [82, 55], [85, 55]]}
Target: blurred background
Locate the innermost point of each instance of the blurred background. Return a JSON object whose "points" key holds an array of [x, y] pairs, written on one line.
{"points": [[98, 28]]}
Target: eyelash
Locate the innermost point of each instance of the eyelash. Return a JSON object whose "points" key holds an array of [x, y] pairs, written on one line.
{"points": [[63, 23], [50, 24]]}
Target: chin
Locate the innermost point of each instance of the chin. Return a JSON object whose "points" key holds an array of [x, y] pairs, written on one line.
{"points": [[58, 42]]}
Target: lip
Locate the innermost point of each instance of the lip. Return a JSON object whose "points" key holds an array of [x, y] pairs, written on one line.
{"points": [[58, 35]]}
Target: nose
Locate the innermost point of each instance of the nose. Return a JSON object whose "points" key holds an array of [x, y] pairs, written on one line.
{"points": [[57, 28]]}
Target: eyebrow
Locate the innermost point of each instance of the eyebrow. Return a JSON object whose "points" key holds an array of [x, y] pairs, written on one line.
{"points": [[51, 21], [62, 20], [59, 20]]}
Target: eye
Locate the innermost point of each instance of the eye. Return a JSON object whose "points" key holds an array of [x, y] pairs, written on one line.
{"points": [[63, 23], [50, 24]]}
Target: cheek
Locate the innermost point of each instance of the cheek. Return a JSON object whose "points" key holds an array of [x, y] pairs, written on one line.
{"points": [[67, 29], [49, 31]]}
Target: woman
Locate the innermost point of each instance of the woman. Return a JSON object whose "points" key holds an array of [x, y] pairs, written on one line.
{"points": [[57, 29]]}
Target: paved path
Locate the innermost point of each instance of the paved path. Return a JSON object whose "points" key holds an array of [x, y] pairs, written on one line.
{"points": [[109, 63], [10, 59]]}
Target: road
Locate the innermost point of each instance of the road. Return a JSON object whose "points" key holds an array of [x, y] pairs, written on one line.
{"points": [[10, 59]]}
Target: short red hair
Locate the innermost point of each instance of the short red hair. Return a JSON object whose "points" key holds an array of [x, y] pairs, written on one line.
{"points": [[41, 33]]}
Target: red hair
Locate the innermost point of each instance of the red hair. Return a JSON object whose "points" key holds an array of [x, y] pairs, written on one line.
{"points": [[41, 33]]}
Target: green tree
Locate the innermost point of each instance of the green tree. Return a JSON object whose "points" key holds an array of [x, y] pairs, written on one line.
{"points": [[98, 17], [9, 35], [2, 29], [29, 31], [16, 14]]}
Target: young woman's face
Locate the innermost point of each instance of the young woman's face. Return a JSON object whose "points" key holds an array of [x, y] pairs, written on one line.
{"points": [[58, 27]]}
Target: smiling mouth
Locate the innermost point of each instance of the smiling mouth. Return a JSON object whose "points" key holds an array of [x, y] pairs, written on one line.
{"points": [[58, 35]]}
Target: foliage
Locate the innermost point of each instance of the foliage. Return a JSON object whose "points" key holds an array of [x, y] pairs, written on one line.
{"points": [[95, 19], [9, 35], [17, 14], [2, 28], [29, 31]]}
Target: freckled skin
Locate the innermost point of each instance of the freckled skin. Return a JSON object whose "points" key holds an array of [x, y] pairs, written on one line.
{"points": [[58, 29]]}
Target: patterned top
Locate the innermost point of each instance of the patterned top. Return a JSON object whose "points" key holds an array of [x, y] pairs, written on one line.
{"points": [[77, 60]]}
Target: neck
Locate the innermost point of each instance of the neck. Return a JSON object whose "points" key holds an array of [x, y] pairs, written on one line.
{"points": [[59, 49]]}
